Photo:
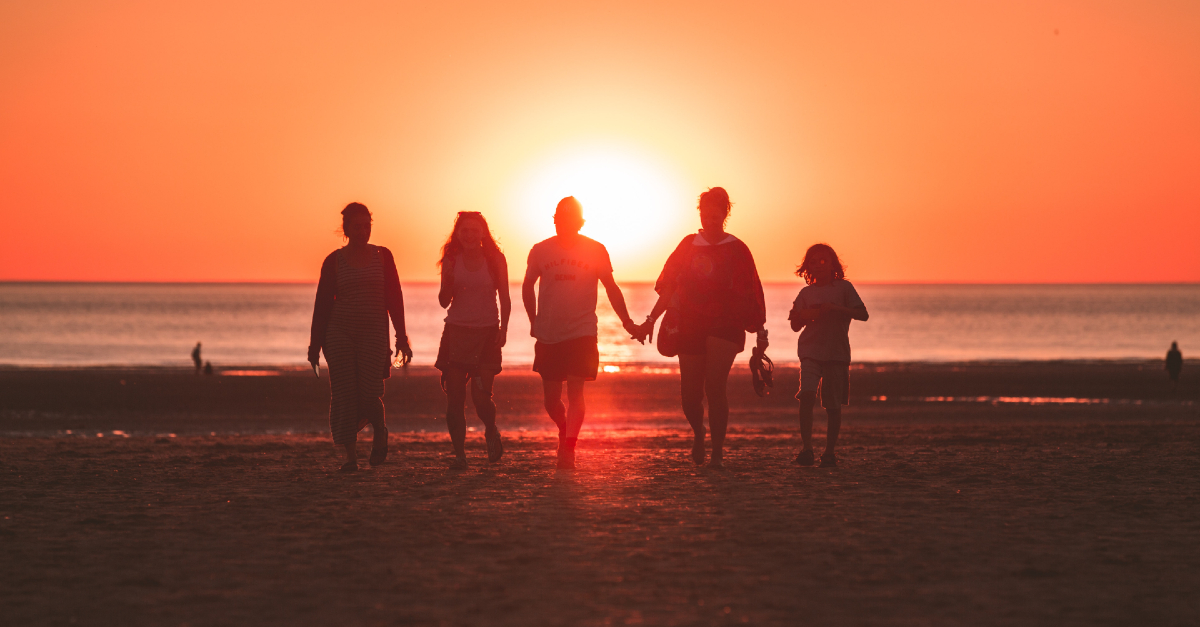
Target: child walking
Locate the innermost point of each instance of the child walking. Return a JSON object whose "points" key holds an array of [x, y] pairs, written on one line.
{"points": [[822, 313]]}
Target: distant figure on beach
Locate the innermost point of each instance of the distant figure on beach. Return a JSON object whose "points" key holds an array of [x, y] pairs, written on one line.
{"points": [[562, 317], [822, 313], [208, 370], [1174, 364], [359, 289], [474, 273], [196, 357], [710, 290]]}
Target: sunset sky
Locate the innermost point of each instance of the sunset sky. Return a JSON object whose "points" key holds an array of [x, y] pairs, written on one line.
{"points": [[926, 141]]}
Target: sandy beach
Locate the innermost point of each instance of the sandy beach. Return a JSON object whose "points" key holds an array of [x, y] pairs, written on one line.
{"points": [[993, 510]]}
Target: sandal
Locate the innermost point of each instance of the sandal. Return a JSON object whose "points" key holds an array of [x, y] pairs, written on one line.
{"points": [[761, 371], [349, 467]]}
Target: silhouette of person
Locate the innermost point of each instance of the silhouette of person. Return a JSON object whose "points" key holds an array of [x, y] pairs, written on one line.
{"points": [[474, 273], [822, 313], [712, 284], [562, 317], [208, 370], [196, 357], [1174, 364], [358, 290]]}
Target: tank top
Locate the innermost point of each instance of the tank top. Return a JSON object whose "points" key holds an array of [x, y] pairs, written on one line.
{"points": [[474, 297]]}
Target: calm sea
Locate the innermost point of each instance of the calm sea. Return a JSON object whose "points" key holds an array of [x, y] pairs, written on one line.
{"points": [[78, 324]]}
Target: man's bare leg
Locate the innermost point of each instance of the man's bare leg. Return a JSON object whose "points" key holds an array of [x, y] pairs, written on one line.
{"points": [[575, 413], [552, 396]]}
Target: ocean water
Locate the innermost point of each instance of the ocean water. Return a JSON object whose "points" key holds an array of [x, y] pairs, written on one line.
{"points": [[86, 324]]}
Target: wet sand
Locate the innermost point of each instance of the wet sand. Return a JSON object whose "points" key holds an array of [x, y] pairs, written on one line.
{"points": [[940, 513]]}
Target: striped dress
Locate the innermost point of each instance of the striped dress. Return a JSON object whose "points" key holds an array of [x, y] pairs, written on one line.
{"points": [[356, 349]]}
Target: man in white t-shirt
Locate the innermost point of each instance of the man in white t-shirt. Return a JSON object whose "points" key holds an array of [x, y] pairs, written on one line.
{"points": [[562, 316]]}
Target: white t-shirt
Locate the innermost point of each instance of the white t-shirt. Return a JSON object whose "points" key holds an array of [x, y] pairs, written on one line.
{"points": [[827, 338], [566, 307]]}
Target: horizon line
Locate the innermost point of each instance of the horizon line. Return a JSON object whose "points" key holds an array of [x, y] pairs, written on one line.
{"points": [[796, 281]]}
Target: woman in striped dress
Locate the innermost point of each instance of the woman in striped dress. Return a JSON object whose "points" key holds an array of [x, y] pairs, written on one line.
{"points": [[358, 291], [474, 273]]}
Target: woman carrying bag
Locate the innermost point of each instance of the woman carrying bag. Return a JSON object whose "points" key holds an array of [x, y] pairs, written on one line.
{"points": [[712, 295]]}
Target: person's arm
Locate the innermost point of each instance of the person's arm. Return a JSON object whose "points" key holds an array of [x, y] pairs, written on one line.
{"points": [[855, 313], [394, 299], [646, 329], [528, 295], [618, 304], [856, 309], [446, 293], [795, 316], [758, 323], [505, 302], [322, 308]]}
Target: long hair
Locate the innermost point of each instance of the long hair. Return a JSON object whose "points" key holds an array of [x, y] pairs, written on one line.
{"points": [[491, 250], [805, 270]]}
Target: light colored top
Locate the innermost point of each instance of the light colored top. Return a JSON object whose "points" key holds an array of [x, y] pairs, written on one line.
{"points": [[566, 307], [473, 303], [828, 337], [699, 240]]}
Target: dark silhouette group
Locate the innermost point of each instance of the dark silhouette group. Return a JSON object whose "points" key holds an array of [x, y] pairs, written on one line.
{"points": [[709, 297]]}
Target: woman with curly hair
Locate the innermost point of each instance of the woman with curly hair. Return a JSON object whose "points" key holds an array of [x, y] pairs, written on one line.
{"points": [[359, 290], [824, 309], [474, 274]]}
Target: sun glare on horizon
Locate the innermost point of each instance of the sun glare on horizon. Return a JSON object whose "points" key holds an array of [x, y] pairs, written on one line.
{"points": [[632, 203]]}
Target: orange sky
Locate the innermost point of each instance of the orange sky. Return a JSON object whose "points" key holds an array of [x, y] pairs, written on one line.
{"points": [[926, 141]]}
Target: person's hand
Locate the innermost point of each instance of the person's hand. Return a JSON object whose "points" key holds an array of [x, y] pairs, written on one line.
{"points": [[502, 337], [762, 343], [634, 331], [403, 351], [648, 329]]}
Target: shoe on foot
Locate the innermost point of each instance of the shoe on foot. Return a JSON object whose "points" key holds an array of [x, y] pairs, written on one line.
{"points": [[828, 461], [495, 447], [805, 458], [349, 467], [459, 463], [379, 447]]}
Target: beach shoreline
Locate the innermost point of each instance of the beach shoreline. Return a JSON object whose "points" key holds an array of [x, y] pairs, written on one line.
{"points": [[136, 496]]}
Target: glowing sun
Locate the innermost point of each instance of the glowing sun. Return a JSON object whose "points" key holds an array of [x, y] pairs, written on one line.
{"points": [[632, 203]]}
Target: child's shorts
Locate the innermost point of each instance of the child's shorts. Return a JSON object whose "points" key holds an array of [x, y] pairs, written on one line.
{"points": [[830, 379]]}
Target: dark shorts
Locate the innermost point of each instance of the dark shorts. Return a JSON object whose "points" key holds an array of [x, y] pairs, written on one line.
{"points": [[829, 379], [579, 357], [471, 349], [696, 342]]}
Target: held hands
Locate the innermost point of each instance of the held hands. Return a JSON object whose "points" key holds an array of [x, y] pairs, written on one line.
{"points": [[635, 332], [403, 352], [647, 329]]}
